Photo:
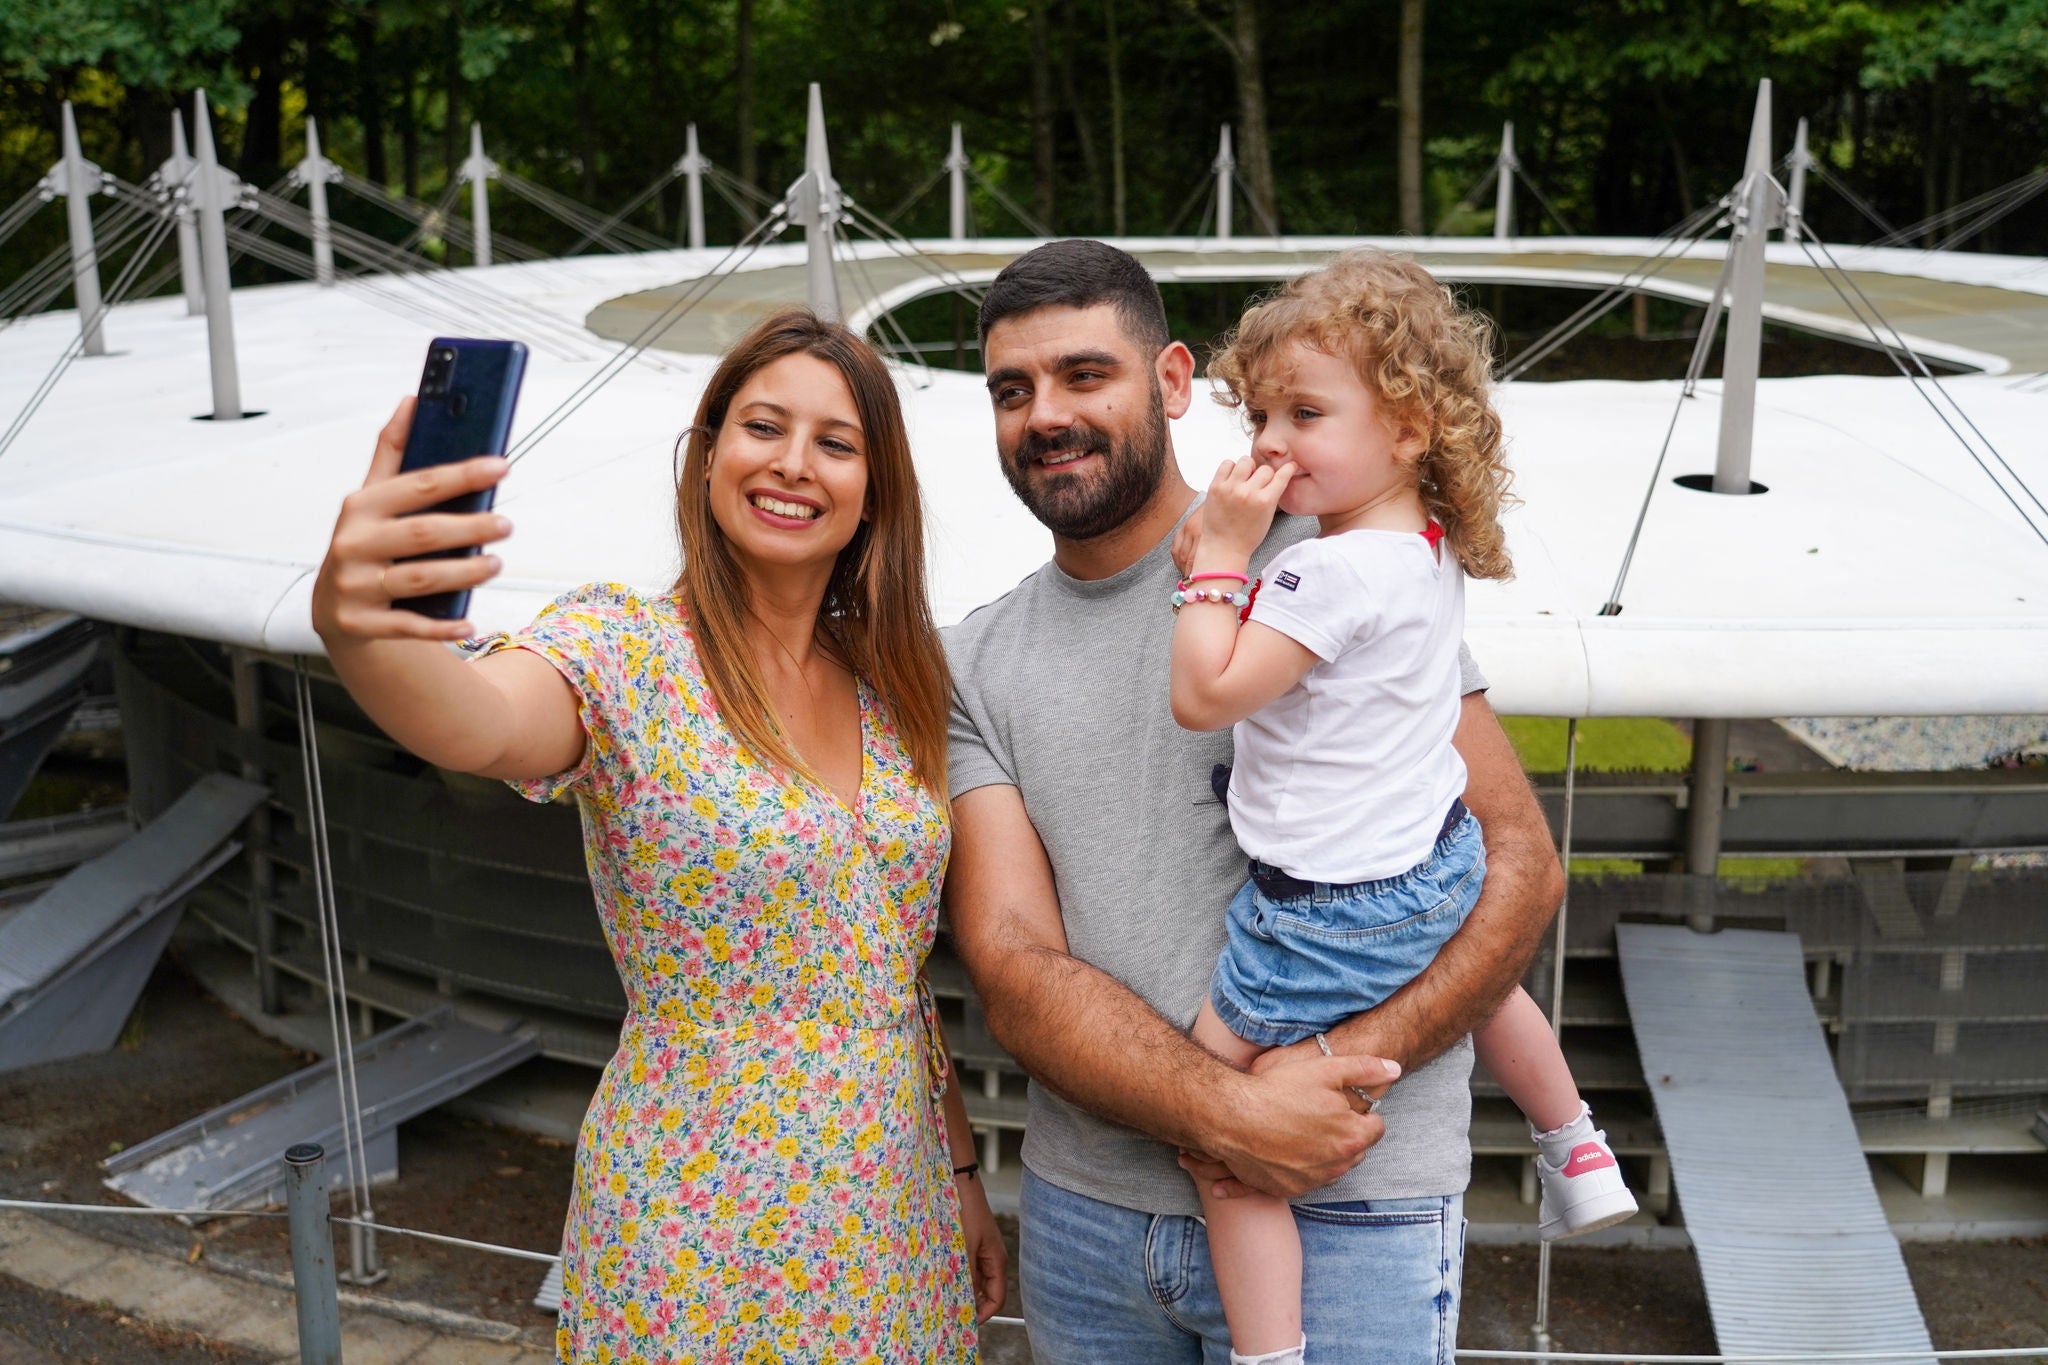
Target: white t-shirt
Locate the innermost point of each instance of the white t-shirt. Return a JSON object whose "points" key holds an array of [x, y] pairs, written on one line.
{"points": [[1348, 776]]}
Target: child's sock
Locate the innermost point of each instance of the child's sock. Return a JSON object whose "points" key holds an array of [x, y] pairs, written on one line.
{"points": [[1291, 1355], [1557, 1144]]}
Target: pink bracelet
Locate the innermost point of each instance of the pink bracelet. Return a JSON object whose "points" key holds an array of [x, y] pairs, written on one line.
{"points": [[1198, 577], [1186, 594]]}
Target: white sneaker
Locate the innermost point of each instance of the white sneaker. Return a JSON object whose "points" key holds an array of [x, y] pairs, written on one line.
{"points": [[1582, 1186]]}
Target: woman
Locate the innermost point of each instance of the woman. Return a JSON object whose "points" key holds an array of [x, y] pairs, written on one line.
{"points": [[759, 758]]}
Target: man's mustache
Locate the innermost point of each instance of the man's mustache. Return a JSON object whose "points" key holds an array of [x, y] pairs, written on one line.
{"points": [[1074, 440]]}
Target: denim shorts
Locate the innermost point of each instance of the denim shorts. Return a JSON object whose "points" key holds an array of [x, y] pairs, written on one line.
{"points": [[1381, 1281], [1298, 965]]}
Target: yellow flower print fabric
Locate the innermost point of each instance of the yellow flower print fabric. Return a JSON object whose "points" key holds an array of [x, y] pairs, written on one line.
{"points": [[763, 1172]]}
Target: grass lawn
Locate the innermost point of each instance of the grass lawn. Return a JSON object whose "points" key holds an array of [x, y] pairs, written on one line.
{"points": [[1625, 745]]}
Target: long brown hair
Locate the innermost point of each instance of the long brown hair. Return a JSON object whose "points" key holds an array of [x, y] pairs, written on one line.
{"points": [[876, 617]]}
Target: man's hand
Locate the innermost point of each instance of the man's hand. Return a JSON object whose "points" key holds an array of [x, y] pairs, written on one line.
{"points": [[1298, 1125]]}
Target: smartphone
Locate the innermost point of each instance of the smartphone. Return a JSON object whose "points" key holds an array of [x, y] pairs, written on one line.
{"points": [[467, 393]]}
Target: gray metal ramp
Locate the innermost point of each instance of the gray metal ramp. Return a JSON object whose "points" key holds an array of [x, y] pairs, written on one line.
{"points": [[72, 962], [43, 678], [1793, 1247], [232, 1157]]}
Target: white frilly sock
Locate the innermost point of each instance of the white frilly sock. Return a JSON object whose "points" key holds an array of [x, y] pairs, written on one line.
{"points": [[1557, 1144]]}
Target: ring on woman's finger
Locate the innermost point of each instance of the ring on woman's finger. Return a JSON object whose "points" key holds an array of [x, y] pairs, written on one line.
{"points": [[383, 589]]}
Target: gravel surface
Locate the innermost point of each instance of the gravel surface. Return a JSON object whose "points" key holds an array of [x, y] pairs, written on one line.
{"points": [[183, 1053], [41, 1328]]}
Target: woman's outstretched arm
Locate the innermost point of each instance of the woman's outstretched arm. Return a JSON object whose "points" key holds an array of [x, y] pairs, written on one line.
{"points": [[508, 716]]}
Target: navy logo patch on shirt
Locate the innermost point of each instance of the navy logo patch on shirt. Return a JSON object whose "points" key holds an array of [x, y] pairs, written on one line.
{"points": [[1289, 581]]}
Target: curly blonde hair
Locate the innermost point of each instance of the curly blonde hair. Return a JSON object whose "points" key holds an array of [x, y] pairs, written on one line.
{"points": [[1425, 358]]}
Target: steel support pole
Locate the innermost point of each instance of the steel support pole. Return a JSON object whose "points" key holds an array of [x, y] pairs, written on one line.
{"points": [[177, 176], [1504, 168], [1795, 191], [1706, 799], [1539, 1331], [213, 260], [1225, 167], [693, 188], [1754, 214], [818, 209], [479, 169], [81, 182], [956, 189], [247, 673], [316, 170], [312, 1255]]}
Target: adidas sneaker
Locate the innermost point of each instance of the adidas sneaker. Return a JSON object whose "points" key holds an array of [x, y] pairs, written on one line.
{"points": [[1582, 1186]]}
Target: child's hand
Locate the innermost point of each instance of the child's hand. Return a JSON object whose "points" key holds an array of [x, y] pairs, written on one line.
{"points": [[1240, 507], [1186, 541]]}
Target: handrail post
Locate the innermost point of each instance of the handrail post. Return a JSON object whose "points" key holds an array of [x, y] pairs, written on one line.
{"points": [[312, 1255]]}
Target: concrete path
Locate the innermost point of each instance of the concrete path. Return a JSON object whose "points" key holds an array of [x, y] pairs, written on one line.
{"points": [[167, 1292]]}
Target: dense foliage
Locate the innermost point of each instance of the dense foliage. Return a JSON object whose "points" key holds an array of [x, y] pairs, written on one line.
{"points": [[1090, 114]]}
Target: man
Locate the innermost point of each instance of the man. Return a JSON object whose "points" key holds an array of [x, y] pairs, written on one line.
{"points": [[1092, 862]]}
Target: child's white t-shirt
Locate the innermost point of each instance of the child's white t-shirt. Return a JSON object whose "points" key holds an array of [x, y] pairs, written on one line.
{"points": [[1348, 776]]}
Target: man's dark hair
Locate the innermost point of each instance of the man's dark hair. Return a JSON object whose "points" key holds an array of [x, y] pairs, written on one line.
{"points": [[1078, 273]]}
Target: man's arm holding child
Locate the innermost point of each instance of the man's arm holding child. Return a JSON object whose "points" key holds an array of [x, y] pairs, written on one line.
{"points": [[1080, 1031]]}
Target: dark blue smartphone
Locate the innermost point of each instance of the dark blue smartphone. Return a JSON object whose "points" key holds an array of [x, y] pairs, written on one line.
{"points": [[467, 393]]}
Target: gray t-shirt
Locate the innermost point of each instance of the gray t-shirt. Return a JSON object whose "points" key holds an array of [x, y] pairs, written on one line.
{"points": [[1061, 690]]}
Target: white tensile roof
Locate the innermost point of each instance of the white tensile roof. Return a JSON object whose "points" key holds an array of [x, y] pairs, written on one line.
{"points": [[1883, 573]]}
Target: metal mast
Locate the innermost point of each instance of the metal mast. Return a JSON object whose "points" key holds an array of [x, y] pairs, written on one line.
{"points": [[214, 189], [956, 185], [1225, 167], [478, 169], [693, 166], [78, 180], [817, 207], [316, 172], [1504, 168], [177, 176], [1759, 205], [1795, 193]]}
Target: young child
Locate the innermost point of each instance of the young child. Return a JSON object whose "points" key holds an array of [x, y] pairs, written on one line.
{"points": [[1366, 390]]}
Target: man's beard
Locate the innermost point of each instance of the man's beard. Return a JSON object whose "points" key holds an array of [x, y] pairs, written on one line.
{"points": [[1082, 506]]}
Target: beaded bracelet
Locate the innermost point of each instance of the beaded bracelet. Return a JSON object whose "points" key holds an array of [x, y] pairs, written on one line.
{"points": [[1185, 594]]}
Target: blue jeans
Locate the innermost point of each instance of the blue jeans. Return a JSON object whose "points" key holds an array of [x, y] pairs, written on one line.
{"points": [[1102, 1283]]}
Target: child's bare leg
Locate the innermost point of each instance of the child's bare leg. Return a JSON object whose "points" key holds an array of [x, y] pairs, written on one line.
{"points": [[1253, 1242], [1519, 1050]]}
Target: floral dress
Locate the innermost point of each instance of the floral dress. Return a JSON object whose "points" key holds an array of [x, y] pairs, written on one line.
{"points": [[763, 1171]]}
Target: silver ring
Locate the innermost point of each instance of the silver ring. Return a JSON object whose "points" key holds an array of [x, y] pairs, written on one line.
{"points": [[1370, 1103]]}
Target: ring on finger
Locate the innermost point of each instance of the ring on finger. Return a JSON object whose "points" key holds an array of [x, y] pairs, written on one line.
{"points": [[383, 588], [1370, 1103]]}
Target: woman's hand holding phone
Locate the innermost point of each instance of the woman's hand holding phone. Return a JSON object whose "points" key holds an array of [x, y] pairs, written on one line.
{"points": [[382, 523]]}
